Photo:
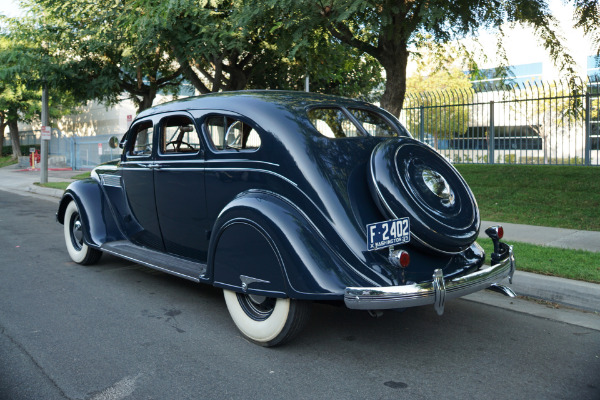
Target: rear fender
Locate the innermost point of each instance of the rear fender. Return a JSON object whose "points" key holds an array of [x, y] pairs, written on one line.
{"points": [[95, 211], [262, 244]]}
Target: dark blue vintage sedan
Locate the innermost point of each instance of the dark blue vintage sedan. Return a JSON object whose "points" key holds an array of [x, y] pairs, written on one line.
{"points": [[283, 198]]}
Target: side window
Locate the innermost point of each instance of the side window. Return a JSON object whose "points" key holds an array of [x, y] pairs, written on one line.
{"points": [[230, 133], [142, 139], [178, 135], [373, 123], [332, 123]]}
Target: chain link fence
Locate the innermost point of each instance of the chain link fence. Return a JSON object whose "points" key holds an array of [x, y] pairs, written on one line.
{"points": [[532, 123], [76, 152]]}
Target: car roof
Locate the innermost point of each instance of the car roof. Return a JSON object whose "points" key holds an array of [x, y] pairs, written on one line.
{"points": [[244, 101]]}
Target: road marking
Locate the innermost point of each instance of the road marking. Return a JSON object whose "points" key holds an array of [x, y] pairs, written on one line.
{"points": [[120, 390]]}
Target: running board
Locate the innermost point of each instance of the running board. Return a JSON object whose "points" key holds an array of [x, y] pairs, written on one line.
{"points": [[154, 259]]}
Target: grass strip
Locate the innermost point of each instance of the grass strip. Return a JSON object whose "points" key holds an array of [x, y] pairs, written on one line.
{"points": [[554, 261], [84, 175], [63, 185], [543, 195], [53, 185], [5, 161]]}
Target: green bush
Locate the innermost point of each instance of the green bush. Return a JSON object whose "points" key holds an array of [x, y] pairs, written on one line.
{"points": [[7, 150]]}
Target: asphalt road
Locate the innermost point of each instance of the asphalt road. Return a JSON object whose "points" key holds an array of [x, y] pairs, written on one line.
{"points": [[118, 330]]}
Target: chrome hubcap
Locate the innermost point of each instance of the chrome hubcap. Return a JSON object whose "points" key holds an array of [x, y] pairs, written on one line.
{"points": [[438, 185], [257, 307], [77, 233]]}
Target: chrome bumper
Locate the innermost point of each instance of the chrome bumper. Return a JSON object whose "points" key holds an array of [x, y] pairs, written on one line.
{"points": [[435, 292]]}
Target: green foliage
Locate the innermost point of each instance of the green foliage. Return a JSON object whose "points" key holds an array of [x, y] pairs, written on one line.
{"points": [[99, 56], [387, 30], [432, 87], [557, 196], [587, 16], [219, 48], [7, 150], [565, 263], [5, 161]]}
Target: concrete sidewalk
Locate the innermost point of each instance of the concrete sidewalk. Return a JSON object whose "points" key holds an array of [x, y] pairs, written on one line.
{"points": [[577, 294]]}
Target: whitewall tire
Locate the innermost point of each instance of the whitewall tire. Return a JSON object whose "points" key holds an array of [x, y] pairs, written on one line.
{"points": [[78, 250], [264, 320]]}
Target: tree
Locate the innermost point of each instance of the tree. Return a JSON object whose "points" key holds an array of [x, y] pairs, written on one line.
{"points": [[220, 50], [587, 16], [387, 30], [441, 92], [101, 57], [18, 102]]}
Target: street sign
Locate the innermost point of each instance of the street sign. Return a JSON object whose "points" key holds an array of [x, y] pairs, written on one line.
{"points": [[99, 149], [129, 120], [46, 132]]}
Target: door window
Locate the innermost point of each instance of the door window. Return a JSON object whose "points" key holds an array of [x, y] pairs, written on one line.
{"points": [[179, 135], [142, 139]]}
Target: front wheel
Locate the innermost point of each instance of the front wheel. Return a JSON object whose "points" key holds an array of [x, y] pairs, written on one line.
{"points": [[267, 321], [79, 251]]}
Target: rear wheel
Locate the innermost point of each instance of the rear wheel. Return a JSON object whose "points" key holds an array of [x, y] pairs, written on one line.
{"points": [[267, 321], [79, 251]]}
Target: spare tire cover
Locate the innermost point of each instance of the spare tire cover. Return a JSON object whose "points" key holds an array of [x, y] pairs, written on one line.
{"points": [[410, 179]]}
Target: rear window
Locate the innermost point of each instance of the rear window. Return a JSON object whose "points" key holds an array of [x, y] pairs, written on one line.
{"points": [[373, 123], [335, 123]]}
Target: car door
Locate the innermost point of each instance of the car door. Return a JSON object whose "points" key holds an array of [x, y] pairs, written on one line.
{"points": [[138, 167], [180, 188]]}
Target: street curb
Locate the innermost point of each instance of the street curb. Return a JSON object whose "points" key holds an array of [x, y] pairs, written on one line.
{"points": [[44, 191], [572, 293]]}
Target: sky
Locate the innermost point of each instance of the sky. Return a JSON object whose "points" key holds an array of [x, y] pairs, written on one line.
{"points": [[10, 8]]}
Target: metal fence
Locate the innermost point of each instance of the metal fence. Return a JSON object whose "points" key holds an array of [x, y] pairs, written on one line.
{"points": [[77, 152], [532, 123]]}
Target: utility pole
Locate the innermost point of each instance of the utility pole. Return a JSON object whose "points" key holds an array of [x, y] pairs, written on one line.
{"points": [[44, 137]]}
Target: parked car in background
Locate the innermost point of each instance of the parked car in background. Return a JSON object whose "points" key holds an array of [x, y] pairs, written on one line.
{"points": [[281, 199]]}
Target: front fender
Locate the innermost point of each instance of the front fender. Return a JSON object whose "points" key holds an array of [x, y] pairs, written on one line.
{"points": [[98, 220], [262, 244]]}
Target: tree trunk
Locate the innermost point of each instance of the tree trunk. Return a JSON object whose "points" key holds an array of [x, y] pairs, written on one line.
{"points": [[2, 127], [13, 128], [395, 81], [147, 99]]}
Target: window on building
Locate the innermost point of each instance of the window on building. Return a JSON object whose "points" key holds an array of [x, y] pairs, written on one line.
{"points": [[494, 78]]}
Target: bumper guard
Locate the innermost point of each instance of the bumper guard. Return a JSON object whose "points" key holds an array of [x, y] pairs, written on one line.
{"points": [[435, 292]]}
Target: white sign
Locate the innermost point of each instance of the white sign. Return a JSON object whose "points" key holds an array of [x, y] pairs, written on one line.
{"points": [[129, 120], [100, 149], [46, 132]]}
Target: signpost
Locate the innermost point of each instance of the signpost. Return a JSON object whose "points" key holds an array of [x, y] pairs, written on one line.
{"points": [[45, 136]]}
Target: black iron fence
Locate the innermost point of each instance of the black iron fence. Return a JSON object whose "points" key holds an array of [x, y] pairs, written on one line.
{"points": [[532, 123]]}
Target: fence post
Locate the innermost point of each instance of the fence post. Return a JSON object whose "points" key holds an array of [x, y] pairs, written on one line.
{"points": [[588, 128], [73, 153], [491, 135], [422, 124]]}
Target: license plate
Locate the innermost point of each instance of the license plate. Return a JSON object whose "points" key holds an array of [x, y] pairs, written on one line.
{"points": [[388, 233]]}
